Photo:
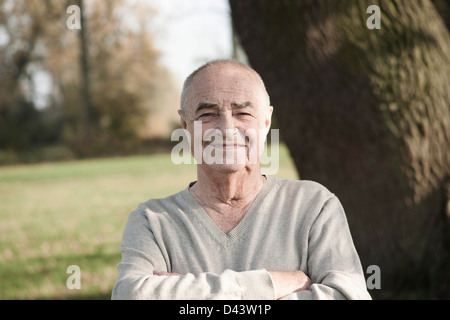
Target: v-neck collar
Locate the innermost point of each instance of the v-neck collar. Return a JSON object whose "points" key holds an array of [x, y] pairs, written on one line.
{"points": [[236, 233]]}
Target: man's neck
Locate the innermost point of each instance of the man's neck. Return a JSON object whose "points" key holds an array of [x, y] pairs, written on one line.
{"points": [[227, 197], [228, 188]]}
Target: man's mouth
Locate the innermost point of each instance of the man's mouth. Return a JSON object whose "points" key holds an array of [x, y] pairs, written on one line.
{"points": [[227, 145]]}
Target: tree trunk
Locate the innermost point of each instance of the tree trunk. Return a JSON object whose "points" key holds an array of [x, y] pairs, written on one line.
{"points": [[85, 71], [366, 113]]}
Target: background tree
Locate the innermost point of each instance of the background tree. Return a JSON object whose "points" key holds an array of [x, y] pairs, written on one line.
{"points": [[366, 113], [22, 29], [105, 79], [84, 67], [127, 84]]}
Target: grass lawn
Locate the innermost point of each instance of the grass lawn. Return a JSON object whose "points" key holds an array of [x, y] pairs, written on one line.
{"points": [[73, 213]]}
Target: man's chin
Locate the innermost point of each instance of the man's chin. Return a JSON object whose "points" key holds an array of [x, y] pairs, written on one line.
{"points": [[227, 167]]}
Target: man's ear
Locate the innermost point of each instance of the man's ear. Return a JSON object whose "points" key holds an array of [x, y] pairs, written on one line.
{"points": [[268, 121], [182, 120]]}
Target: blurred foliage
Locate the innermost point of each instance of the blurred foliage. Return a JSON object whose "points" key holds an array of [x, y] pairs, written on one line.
{"points": [[127, 84]]}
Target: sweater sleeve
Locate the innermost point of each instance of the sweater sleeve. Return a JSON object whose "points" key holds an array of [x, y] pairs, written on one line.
{"points": [[333, 263], [141, 254]]}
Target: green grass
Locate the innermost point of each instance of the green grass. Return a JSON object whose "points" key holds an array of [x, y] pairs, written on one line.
{"points": [[73, 213]]}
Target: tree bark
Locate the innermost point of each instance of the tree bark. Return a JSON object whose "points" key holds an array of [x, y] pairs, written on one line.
{"points": [[366, 113]]}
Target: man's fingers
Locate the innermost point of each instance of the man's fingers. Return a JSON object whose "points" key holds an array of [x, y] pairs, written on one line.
{"points": [[287, 282]]}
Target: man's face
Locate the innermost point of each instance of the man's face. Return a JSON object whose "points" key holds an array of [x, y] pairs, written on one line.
{"points": [[230, 106]]}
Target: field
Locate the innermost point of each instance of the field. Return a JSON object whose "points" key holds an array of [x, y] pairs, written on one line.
{"points": [[55, 215]]}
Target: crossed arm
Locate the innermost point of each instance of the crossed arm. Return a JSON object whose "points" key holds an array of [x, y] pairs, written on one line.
{"points": [[334, 270], [284, 282]]}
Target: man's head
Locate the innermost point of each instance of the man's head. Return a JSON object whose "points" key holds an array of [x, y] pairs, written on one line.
{"points": [[229, 100], [216, 65]]}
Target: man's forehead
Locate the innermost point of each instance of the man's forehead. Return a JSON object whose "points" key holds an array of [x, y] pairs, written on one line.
{"points": [[212, 105], [224, 84], [220, 83]]}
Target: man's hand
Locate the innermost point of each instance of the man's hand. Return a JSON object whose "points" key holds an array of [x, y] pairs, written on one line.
{"points": [[287, 282]]}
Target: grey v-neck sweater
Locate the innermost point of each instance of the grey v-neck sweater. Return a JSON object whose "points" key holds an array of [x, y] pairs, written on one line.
{"points": [[292, 225]]}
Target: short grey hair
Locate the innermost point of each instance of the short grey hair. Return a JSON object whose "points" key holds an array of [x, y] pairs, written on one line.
{"points": [[211, 64]]}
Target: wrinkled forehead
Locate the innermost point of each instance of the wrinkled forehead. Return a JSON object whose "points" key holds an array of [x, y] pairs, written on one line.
{"points": [[230, 84]]}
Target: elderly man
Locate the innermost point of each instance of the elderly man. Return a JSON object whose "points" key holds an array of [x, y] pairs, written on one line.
{"points": [[234, 233]]}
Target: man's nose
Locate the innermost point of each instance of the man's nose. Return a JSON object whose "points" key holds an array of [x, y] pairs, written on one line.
{"points": [[226, 123]]}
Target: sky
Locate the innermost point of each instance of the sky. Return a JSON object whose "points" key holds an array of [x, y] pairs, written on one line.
{"points": [[186, 32], [191, 32]]}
